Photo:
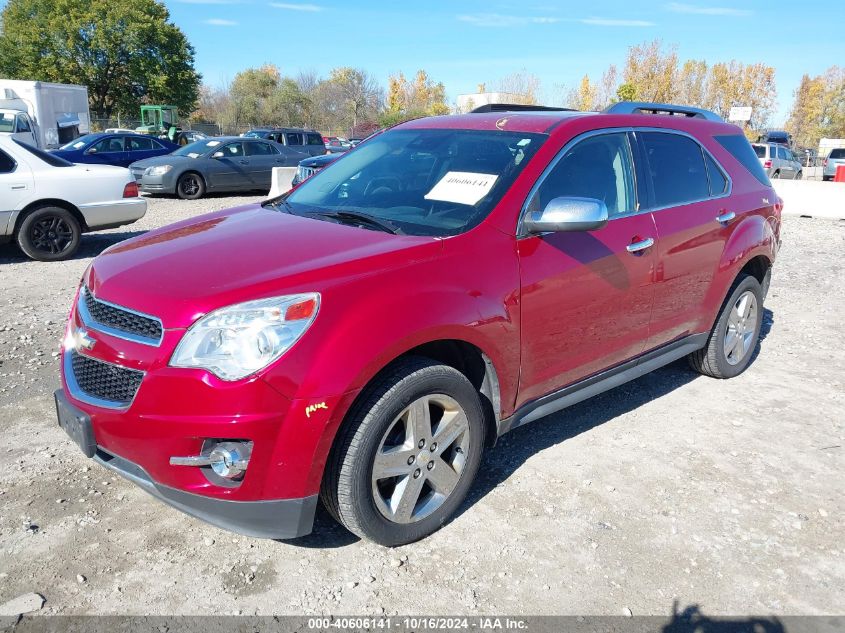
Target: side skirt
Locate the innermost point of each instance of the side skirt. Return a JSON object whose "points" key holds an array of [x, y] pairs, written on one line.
{"points": [[603, 381]]}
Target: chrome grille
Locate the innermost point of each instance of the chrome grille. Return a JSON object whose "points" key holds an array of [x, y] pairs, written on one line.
{"points": [[119, 321], [104, 381]]}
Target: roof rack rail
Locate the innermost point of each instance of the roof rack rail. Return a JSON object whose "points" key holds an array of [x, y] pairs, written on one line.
{"points": [[644, 107], [516, 107]]}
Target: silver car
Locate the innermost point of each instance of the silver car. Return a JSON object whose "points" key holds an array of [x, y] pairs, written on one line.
{"points": [[778, 161], [833, 160]]}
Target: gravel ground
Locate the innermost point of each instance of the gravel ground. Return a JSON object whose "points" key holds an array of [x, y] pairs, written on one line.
{"points": [[674, 489]]}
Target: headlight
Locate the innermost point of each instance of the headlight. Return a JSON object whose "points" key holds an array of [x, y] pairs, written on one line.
{"points": [[158, 170], [239, 340]]}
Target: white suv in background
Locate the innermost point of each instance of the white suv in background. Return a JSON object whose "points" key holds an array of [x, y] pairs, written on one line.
{"points": [[778, 161]]}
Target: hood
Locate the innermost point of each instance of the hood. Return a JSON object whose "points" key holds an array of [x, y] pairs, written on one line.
{"points": [[193, 267], [166, 159], [320, 161]]}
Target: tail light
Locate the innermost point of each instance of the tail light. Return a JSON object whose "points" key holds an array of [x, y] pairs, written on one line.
{"points": [[131, 190], [824, 164], [767, 164]]}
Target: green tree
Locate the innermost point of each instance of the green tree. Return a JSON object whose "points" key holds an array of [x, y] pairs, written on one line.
{"points": [[125, 51], [626, 92]]}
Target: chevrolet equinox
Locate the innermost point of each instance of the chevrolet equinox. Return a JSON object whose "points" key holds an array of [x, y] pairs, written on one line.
{"points": [[362, 338]]}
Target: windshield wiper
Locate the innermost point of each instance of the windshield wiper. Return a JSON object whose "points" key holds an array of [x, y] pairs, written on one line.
{"points": [[360, 218], [279, 204]]}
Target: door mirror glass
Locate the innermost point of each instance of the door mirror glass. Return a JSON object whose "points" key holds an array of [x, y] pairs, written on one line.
{"points": [[91, 150], [568, 214], [217, 155]]}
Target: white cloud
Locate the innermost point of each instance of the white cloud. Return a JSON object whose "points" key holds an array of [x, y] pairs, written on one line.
{"points": [[220, 22], [678, 7], [290, 6], [613, 22], [498, 20]]}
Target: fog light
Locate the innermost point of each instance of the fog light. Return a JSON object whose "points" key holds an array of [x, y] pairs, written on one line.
{"points": [[228, 459]]}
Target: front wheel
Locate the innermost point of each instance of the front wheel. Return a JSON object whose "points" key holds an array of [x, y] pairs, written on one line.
{"points": [[49, 234], [734, 337], [190, 186], [407, 455]]}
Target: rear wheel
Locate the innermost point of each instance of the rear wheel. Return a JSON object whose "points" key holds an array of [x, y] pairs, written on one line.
{"points": [[776, 175], [190, 186], [407, 455], [49, 234], [799, 175], [734, 337]]}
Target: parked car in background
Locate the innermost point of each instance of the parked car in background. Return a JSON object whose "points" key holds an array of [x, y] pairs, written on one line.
{"points": [[114, 149], [187, 137], [779, 137], [118, 130], [778, 161], [224, 163], [311, 166], [46, 202], [833, 160], [362, 338], [354, 141], [300, 139], [336, 146]]}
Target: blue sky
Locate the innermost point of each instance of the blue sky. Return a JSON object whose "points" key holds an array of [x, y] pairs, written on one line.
{"points": [[463, 43]]}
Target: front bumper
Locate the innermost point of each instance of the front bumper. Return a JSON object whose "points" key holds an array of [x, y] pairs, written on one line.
{"points": [[155, 184], [274, 518]]}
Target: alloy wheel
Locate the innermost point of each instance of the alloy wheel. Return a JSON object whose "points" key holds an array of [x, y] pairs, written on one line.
{"points": [[51, 234], [741, 328], [189, 185], [420, 458]]}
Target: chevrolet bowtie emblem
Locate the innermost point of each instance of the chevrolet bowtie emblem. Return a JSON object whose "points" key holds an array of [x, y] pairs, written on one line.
{"points": [[84, 340]]}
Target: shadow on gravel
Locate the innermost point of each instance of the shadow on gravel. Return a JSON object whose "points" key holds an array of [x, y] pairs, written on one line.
{"points": [[692, 620], [92, 244], [514, 448]]}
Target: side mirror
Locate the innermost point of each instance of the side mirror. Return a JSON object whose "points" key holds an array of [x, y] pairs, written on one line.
{"points": [[568, 214], [91, 150], [217, 155]]}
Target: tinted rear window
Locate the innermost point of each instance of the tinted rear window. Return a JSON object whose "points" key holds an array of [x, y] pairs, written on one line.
{"points": [[677, 168], [740, 149], [760, 150], [837, 153], [50, 159]]}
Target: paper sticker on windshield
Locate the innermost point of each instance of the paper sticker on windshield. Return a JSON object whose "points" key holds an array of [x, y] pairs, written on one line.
{"points": [[462, 187], [213, 143]]}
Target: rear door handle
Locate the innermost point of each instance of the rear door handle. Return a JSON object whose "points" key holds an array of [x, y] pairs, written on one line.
{"points": [[18, 186], [636, 247], [726, 218]]}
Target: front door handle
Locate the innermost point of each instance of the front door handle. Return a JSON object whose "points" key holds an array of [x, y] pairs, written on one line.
{"points": [[726, 218], [18, 187], [244, 162], [636, 247]]}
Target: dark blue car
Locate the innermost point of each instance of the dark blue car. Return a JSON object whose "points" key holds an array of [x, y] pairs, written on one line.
{"points": [[114, 149]]}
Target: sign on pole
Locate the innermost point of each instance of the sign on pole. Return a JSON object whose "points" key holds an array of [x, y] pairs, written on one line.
{"points": [[740, 113]]}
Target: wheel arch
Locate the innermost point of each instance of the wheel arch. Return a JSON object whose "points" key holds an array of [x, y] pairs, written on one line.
{"points": [[50, 202]]}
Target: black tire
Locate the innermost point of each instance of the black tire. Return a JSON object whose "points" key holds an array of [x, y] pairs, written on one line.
{"points": [[348, 489], [826, 178], [713, 360], [49, 234], [776, 175], [799, 175], [190, 186]]}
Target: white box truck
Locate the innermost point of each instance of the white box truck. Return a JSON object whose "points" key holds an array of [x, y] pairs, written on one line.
{"points": [[43, 114]]}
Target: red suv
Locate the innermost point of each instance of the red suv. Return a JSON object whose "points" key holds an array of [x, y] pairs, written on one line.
{"points": [[363, 337]]}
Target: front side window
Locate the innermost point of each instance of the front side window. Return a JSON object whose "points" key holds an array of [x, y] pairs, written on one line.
{"points": [[232, 150], [107, 145], [421, 181], [598, 167], [676, 166], [23, 123]]}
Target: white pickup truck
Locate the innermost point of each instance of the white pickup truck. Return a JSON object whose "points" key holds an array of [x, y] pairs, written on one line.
{"points": [[46, 203]]}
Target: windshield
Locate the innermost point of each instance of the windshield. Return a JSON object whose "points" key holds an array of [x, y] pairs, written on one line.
{"points": [[425, 182], [197, 148], [7, 122], [50, 159], [79, 143]]}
